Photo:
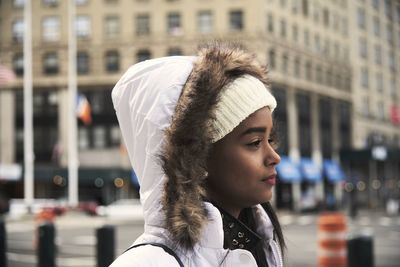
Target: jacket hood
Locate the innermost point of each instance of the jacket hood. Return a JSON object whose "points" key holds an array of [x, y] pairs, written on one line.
{"points": [[164, 107]]}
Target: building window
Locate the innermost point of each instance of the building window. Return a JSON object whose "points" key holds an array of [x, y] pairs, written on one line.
{"points": [[270, 23], [297, 68], [329, 79], [99, 137], [316, 13], [327, 47], [51, 29], [364, 77], [326, 17], [378, 55], [50, 63], [81, 2], [365, 107], [336, 50], [295, 33], [348, 83], [283, 28], [335, 21], [82, 62], [143, 24], [392, 59], [398, 14], [175, 51], [376, 26], [317, 43], [236, 20], [345, 27], [18, 30], [84, 141], [51, 3], [18, 64], [82, 26], [388, 9], [389, 33], [112, 61], [375, 4], [285, 64], [19, 3], [308, 71], [361, 18], [393, 87], [143, 55], [295, 6], [112, 26], [205, 22], [381, 110], [306, 38], [305, 8], [379, 82], [271, 57], [318, 73], [362, 42], [174, 23], [97, 101], [115, 135]]}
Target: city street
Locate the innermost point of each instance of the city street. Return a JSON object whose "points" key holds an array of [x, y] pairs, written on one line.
{"points": [[76, 238]]}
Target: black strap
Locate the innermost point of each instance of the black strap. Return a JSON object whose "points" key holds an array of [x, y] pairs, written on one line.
{"points": [[164, 247]]}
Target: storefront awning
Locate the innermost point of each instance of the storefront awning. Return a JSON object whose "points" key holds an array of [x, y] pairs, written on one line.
{"points": [[288, 170], [333, 171], [311, 171]]}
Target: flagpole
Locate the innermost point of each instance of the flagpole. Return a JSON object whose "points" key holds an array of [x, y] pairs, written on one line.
{"points": [[73, 161], [28, 114]]}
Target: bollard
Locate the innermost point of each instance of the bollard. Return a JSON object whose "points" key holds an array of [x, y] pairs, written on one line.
{"points": [[105, 245], [3, 243], [332, 240], [46, 246], [360, 251]]}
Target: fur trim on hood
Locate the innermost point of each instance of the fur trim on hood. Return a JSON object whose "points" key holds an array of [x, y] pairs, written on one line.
{"points": [[188, 138]]}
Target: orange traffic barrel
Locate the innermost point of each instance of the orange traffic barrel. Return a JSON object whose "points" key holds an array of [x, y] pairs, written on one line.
{"points": [[332, 243]]}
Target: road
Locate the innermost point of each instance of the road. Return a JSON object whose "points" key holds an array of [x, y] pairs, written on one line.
{"points": [[76, 239]]}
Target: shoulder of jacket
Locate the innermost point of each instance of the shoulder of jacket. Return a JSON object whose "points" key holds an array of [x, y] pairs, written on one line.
{"points": [[147, 255]]}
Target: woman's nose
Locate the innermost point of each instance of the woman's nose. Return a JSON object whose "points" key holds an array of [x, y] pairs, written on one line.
{"points": [[271, 157]]}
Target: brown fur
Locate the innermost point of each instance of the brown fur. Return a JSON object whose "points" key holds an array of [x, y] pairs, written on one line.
{"points": [[188, 139]]}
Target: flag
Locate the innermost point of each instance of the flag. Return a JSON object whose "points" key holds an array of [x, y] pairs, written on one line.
{"points": [[6, 75], [83, 110], [395, 114]]}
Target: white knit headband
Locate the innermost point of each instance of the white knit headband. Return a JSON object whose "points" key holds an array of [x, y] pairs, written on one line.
{"points": [[239, 100]]}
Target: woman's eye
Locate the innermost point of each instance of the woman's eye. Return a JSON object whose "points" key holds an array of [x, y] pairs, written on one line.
{"points": [[255, 143]]}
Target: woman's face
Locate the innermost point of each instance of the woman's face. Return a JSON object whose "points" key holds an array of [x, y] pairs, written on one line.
{"points": [[241, 167]]}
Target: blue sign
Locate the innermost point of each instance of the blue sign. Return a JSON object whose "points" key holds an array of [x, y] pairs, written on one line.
{"points": [[333, 171], [311, 171], [288, 170]]}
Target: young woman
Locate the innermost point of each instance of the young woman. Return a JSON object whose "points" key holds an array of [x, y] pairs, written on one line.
{"points": [[199, 134]]}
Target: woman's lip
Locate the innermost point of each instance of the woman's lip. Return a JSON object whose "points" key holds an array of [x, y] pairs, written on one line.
{"points": [[270, 180]]}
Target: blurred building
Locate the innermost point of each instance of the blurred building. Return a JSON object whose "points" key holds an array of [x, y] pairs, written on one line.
{"points": [[319, 53], [375, 56]]}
